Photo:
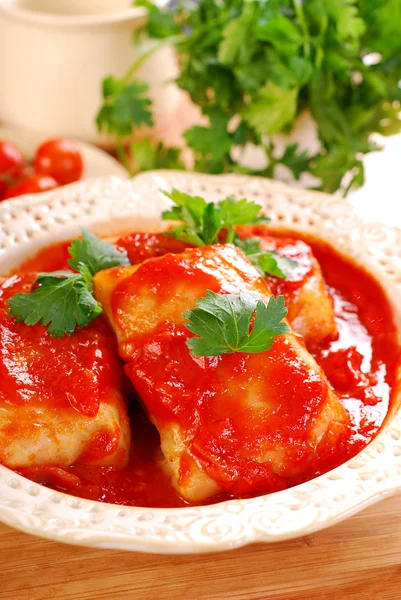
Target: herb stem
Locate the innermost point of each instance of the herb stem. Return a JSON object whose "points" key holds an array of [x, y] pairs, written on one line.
{"points": [[123, 156], [230, 236], [302, 21], [142, 58], [271, 161]]}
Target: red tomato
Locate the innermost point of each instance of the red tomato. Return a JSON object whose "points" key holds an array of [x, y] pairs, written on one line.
{"points": [[3, 188], [60, 159], [31, 185], [11, 164]]}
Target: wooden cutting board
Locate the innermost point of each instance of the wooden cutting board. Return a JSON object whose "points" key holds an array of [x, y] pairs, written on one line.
{"points": [[359, 559]]}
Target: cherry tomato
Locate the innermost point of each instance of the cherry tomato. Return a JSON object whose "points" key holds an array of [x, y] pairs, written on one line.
{"points": [[31, 185], [59, 158], [12, 164]]}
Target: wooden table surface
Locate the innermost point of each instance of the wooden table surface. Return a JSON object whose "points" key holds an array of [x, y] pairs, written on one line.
{"points": [[360, 559]]}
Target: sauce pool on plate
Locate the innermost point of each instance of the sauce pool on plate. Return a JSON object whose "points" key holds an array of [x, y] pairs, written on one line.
{"points": [[360, 364]]}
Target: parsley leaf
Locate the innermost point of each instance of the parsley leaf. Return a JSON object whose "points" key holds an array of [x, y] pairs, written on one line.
{"points": [[203, 221], [148, 156], [211, 145], [240, 212], [272, 109], [61, 300], [222, 323], [249, 246], [95, 254], [271, 262], [298, 161], [125, 105], [267, 262], [235, 37], [281, 33], [160, 24], [349, 24], [190, 210], [64, 300]]}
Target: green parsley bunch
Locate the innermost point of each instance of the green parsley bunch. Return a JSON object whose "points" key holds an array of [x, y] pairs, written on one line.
{"points": [[253, 66]]}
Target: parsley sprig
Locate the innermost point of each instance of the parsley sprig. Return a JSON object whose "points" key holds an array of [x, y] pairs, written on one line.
{"points": [[63, 300], [203, 222], [267, 262], [124, 104], [95, 253], [222, 323], [253, 67]]}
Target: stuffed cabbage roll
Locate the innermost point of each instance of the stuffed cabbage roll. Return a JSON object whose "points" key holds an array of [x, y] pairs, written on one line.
{"points": [[310, 306], [61, 399], [236, 423]]}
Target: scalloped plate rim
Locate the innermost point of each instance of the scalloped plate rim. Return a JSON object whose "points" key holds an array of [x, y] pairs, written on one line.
{"points": [[34, 509]]}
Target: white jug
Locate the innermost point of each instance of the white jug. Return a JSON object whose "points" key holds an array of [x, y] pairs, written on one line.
{"points": [[54, 55]]}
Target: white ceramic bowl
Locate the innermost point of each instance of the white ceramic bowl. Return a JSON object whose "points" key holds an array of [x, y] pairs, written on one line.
{"points": [[110, 205], [54, 55]]}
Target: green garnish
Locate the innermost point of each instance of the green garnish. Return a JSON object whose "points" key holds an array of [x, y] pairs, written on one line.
{"points": [[64, 300], [252, 68], [96, 254], [148, 155], [222, 323], [202, 222], [267, 262], [125, 104]]}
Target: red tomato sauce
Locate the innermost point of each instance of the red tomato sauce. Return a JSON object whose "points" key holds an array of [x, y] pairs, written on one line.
{"points": [[139, 246], [86, 363], [361, 365], [52, 258]]}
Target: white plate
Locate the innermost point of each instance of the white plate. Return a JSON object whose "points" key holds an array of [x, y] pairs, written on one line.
{"points": [[96, 162], [109, 205]]}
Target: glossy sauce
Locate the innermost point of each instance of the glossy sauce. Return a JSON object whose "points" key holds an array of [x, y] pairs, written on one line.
{"points": [[51, 258], [86, 363], [360, 364], [140, 246]]}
